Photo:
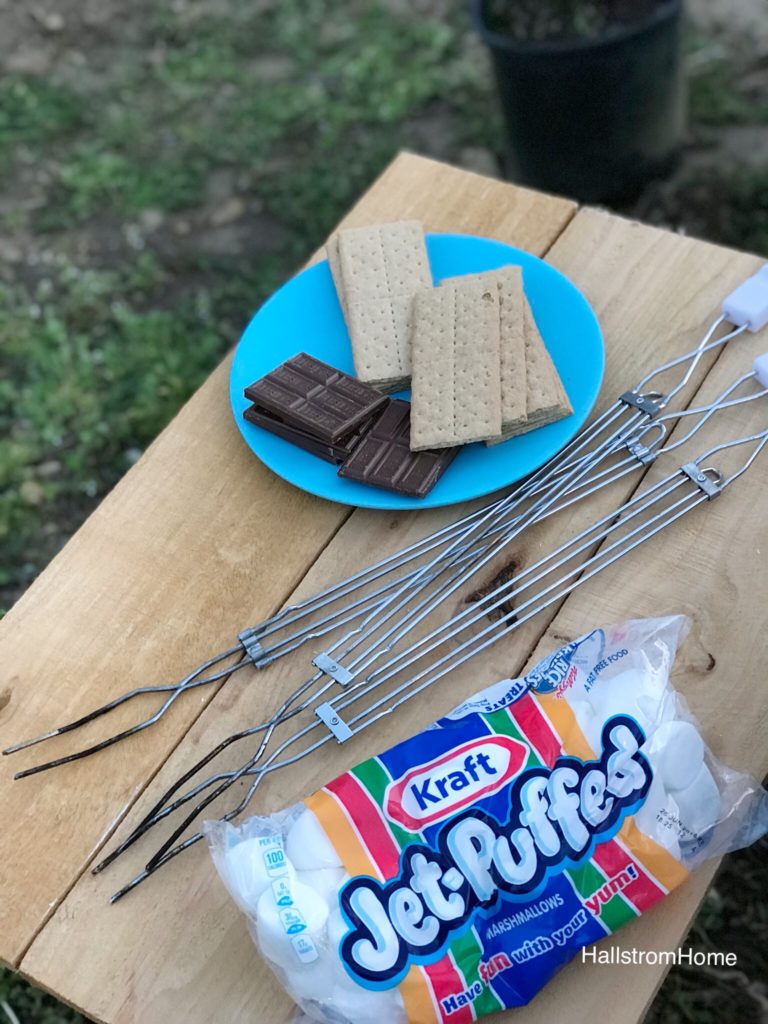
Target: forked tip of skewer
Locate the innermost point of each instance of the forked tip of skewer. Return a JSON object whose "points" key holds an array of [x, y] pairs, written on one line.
{"points": [[31, 743], [109, 859], [129, 887], [36, 769]]}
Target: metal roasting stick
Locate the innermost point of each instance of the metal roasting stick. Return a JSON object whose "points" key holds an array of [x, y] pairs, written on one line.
{"points": [[626, 465], [162, 809], [629, 464], [333, 664], [707, 411], [694, 357], [372, 622], [461, 550], [505, 598], [192, 680], [641, 406], [159, 811], [414, 550], [646, 515]]}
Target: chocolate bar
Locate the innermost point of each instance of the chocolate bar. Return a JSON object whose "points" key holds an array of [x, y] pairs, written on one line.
{"points": [[336, 452], [311, 396], [384, 459]]}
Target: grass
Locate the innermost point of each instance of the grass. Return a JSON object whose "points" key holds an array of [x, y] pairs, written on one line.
{"points": [[92, 371], [715, 98], [36, 112], [100, 353], [30, 1005], [134, 282]]}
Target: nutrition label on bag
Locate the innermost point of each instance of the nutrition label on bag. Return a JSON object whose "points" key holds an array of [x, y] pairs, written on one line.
{"points": [[274, 856], [291, 919]]}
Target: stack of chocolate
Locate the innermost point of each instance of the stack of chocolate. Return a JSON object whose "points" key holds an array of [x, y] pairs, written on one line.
{"points": [[346, 422]]}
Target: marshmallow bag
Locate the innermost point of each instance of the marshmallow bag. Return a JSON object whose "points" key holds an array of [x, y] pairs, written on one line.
{"points": [[454, 874]]}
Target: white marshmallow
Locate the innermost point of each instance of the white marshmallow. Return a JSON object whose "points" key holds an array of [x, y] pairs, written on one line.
{"points": [[326, 882], [608, 701], [325, 986], [336, 930], [699, 804], [247, 875], [651, 819], [308, 847], [667, 838], [311, 981], [587, 722], [641, 695], [361, 1006], [677, 753], [272, 923], [646, 817]]}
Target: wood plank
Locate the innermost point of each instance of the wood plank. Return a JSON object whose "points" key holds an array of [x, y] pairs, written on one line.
{"points": [[164, 565], [152, 975], [446, 198], [196, 542]]}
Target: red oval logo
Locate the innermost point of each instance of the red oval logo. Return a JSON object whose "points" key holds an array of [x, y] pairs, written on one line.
{"points": [[453, 781]]}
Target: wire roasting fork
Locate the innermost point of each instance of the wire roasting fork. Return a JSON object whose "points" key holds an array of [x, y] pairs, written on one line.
{"points": [[454, 553], [354, 707]]}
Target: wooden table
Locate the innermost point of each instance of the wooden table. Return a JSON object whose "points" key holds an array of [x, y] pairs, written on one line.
{"points": [[199, 540]]}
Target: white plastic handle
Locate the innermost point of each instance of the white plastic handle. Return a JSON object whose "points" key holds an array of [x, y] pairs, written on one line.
{"points": [[747, 306], [760, 369]]}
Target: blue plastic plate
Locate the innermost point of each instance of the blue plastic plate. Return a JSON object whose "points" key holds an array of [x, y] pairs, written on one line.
{"points": [[305, 316]]}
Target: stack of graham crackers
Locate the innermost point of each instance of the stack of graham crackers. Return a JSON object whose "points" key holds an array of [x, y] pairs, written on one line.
{"points": [[477, 364]]}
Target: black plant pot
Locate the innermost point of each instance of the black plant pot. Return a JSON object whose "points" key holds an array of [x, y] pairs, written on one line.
{"points": [[592, 119]]}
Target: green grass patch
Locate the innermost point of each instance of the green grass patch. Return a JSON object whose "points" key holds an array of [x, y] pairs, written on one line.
{"points": [[97, 361], [31, 1005], [336, 111], [35, 111], [716, 98], [94, 180], [93, 368]]}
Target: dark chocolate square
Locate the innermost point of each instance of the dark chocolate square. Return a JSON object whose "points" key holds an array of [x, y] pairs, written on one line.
{"points": [[335, 452], [316, 398], [383, 457]]}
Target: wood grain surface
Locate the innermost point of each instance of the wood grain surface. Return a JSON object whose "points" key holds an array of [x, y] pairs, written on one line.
{"points": [[198, 540]]}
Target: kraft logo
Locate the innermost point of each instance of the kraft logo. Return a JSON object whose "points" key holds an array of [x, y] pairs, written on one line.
{"points": [[454, 780]]}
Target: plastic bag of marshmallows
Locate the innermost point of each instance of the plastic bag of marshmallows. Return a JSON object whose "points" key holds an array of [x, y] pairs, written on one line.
{"points": [[454, 874]]}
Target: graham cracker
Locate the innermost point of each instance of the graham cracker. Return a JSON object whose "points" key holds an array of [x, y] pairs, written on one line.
{"points": [[514, 398], [382, 268], [456, 387], [334, 263], [547, 398]]}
